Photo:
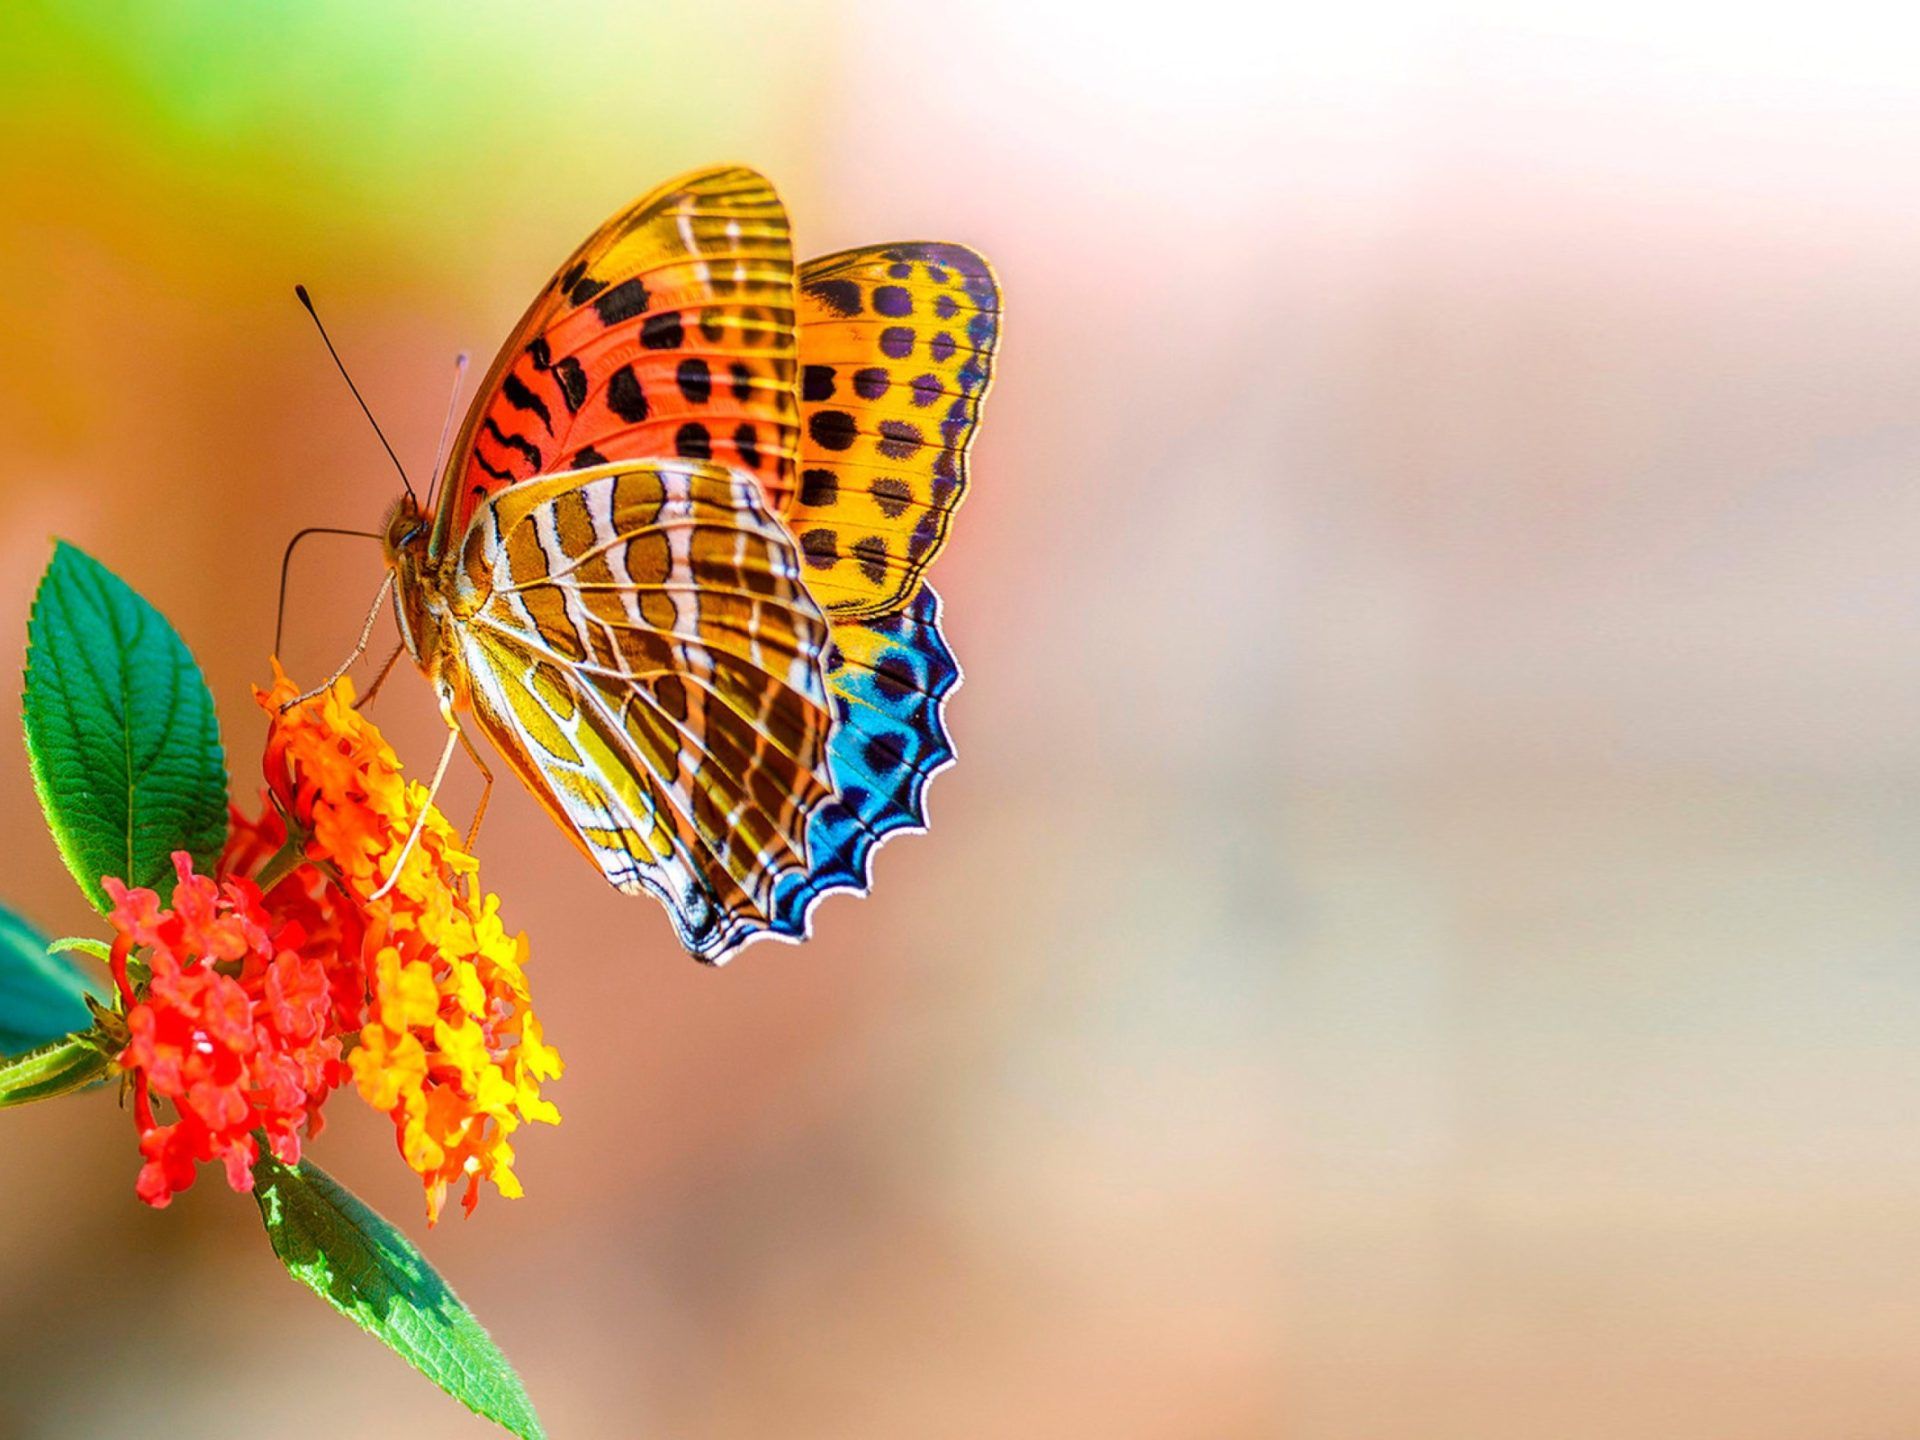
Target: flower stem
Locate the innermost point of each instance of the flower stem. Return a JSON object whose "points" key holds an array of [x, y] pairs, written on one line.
{"points": [[284, 861]]}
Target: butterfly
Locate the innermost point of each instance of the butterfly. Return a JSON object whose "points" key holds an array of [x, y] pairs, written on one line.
{"points": [[675, 567]]}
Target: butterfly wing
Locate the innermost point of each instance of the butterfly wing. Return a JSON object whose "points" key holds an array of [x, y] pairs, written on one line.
{"points": [[889, 678], [636, 640], [668, 333], [636, 637], [896, 351]]}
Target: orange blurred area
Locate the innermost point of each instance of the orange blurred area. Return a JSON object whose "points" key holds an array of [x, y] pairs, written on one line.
{"points": [[1421, 939]]}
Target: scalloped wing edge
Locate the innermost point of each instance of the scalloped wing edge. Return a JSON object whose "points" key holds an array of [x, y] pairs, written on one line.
{"points": [[798, 894]]}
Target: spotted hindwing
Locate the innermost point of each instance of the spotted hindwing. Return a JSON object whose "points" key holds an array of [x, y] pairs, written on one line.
{"points": [[669, 333], [896, 354], [639, 645], [889, 679]]}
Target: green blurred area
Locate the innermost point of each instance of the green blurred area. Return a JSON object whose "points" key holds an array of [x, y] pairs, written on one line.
{"points": [[364, 118]]}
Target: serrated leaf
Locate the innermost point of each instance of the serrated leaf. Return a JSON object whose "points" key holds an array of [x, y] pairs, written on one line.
{"points": [[366, 1269], [42, 997], [120, 730], [72, 1062]]}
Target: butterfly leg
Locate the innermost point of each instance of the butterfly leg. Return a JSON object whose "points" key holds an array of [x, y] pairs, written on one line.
{"points": [[381, 679], [420, 820], [479, 811], [366, 633]]}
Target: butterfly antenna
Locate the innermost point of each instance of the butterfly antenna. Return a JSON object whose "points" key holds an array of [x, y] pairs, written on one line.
{"points": [[307, 300], [446, 428], [286, 559]]}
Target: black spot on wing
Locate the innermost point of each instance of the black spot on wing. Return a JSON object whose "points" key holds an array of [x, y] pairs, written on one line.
{"points": [[695, 380], [899, 440], [924, 534], [516, 443], [842, 297], [692, 442], [816, 383], [818, 488], [521, 398], [886, 752], [871, 552], [662, 331], [821, 547], [573, 383], [583, 287], [831, 429], [624, 301], [894, 677], [625, 397]]}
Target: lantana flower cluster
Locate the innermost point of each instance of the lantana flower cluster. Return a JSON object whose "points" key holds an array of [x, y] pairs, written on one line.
{"points": [[239, 1027], [257, 1006]]}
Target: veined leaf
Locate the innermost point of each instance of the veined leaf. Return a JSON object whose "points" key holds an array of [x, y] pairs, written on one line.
{"points": [[367, 1270], [42, 997], [120, 730]]}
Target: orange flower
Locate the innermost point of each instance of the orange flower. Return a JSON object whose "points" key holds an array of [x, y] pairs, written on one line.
{"points": [[450, 1049]]}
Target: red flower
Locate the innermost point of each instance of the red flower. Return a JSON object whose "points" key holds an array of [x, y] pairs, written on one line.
{"points": [[333, 929], [236, 1027]]}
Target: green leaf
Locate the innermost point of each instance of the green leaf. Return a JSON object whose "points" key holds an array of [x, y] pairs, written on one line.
{"points": [[371, 1273], [85, 944], [41, 997], [120, 730], [73, 1062]]}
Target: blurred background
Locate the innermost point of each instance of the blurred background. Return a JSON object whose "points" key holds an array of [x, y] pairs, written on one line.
{"points": [[1422, 941]]}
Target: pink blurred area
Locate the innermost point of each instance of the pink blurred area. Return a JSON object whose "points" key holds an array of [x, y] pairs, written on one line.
{"points": [[1421, 940]]}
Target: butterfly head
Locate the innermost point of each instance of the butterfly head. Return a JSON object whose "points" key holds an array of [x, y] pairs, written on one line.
{"points": [[406, 532], [405, 541]]}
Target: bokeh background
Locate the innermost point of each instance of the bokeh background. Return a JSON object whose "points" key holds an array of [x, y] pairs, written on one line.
{"points": [[1422, 941]]}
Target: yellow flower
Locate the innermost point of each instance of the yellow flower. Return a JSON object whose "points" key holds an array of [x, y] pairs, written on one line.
{"points": [[451, 1050]]}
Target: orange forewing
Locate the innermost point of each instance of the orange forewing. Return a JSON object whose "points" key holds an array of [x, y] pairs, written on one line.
{"points": [[669, 333]]}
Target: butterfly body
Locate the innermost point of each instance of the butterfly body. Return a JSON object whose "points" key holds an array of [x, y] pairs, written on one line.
{"points": [[417, 607], [632, 576]]}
